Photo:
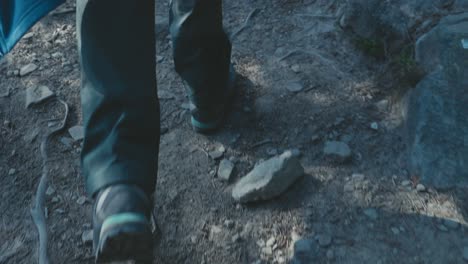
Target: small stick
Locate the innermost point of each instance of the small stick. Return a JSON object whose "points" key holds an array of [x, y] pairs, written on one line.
{"points": [[38, 212], [263, 142], [247, 20]]}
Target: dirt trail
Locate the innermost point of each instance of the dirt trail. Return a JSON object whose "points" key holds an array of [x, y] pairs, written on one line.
{"points": [[302, 83]]}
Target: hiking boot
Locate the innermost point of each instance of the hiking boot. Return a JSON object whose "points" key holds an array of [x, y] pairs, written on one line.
{"points": [[208, 118], [121, 222]]}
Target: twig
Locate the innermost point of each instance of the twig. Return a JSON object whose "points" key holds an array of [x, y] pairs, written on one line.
{"points": [[38, 212], [311, 53], [263, 142], [247, 20]]}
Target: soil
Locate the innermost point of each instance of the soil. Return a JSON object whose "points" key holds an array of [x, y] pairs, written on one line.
{"points": [[295, 44]]}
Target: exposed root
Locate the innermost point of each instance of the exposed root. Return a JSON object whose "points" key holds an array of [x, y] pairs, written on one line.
{"points": [[246, 23], [38, 212]]}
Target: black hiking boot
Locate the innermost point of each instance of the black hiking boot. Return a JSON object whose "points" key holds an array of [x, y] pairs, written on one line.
{"points": [[207, 119], [121, 222]]}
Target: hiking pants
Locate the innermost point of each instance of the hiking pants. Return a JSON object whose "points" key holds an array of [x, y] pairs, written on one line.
{"points": [[116, 45]]}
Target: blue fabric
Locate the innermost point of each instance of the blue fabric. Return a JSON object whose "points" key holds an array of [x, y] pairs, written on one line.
{"points": [[18, 16]]}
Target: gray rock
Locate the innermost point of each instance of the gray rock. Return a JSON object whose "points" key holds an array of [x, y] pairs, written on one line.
{"points": [[420, 188], [27, 69], [225, 170], [50, 190], [304, 251], [68, 142], [296, 68], [395, 231], [436, 113], [371, 213], [37, 94], [393, 23], [294, 87], [338, 150], [442, 228], [216, 233], [465, 253], [330, 254], [236, 238], [81, 200], [87, 237], [217, 153], [374, 126], [270, 242], [405, 183], [269, 179], [76, 132], [11, 171], [451, 224]]}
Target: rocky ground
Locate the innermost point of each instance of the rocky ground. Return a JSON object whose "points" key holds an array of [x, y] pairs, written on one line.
{"points": [[305, 84]]}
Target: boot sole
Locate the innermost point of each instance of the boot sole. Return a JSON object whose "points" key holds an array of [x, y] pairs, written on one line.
{"points": [[131, 241]]}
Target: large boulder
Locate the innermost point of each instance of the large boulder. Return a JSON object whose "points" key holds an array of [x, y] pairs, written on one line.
{"points": [[437, 116], [395, 23]]}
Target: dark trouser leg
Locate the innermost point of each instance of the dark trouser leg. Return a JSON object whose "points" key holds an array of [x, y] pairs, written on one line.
{"points": [[201, 49], [119, 99]]}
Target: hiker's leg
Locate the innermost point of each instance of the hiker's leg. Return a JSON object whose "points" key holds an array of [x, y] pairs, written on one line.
{"points": [[116, 40], [201, 49]]}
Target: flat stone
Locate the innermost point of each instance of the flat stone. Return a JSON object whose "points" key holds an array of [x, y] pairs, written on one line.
{"points": [[269, 179], [68, 142], [294, 87], [217, 153], [87, 237], [225, 169], [76, 132], [37, 94], [371, 213], [451, 224], [27, 69], [215, 233], [382, 105], [337, 149]]}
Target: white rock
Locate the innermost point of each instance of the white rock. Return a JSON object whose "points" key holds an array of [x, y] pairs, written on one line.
{"points": [[374, 126], [37, 94], [406, 183], [11, 171], [296, 68], [76, 132], [217, 153], [420, 188], [50, 190], [269, 179], [87, 237], [81, 200], [270, 242], [225, 169], [27, 69]]}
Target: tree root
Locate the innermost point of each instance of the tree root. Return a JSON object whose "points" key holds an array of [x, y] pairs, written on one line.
{"points": [[246, 23], [38, 212]]}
